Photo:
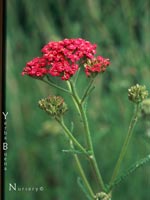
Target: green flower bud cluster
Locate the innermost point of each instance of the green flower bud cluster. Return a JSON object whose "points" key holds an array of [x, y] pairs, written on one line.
{"points": [[53, 105], [103, 196], [137, 93]]}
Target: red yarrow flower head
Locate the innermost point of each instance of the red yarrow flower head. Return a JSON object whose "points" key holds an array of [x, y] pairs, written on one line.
{"points": [[63, 59], [96, 65]]}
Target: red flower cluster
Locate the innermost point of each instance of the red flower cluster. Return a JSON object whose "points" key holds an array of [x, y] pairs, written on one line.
{"points": [[96, 65], [36, 67], [62, 59]]}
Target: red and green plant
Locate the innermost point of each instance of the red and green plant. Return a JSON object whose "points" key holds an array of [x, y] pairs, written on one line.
{"points": [[69, 59]]}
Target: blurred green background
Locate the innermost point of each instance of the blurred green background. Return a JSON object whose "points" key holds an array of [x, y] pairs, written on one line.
{"points": [[121, 29]]}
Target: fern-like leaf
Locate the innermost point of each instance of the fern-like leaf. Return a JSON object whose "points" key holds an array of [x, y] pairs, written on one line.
{"points": [[132, 169]]}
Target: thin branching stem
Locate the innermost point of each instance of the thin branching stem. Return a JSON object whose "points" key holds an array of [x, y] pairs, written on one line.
{"points": [[77, 75], [55, 86], [82, 174], [71, 137], [82, 112], [126, 143], [79, 166], [88, 89]]}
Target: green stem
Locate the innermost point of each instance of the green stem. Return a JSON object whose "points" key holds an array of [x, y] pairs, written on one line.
{"points": [[74, 95], [92, 158], [126, 143], [87, 90], [55, 86], [80, 169], [77, 75], [71, 137], [83, 176]]}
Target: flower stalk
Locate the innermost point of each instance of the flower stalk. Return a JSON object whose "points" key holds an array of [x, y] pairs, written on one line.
{"points": [[136, 94], [126, 143], [82, 112], [55, 86], [87, 91], [71, 137], [82, 174], [78, 163]]}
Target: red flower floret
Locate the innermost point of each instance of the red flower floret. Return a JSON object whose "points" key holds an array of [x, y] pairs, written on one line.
{"points": [[36, 67]]}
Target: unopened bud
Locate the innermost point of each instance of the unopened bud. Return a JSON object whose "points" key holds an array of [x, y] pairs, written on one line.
{"points": [[137, 93], [103, 196], [53, 105]]}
